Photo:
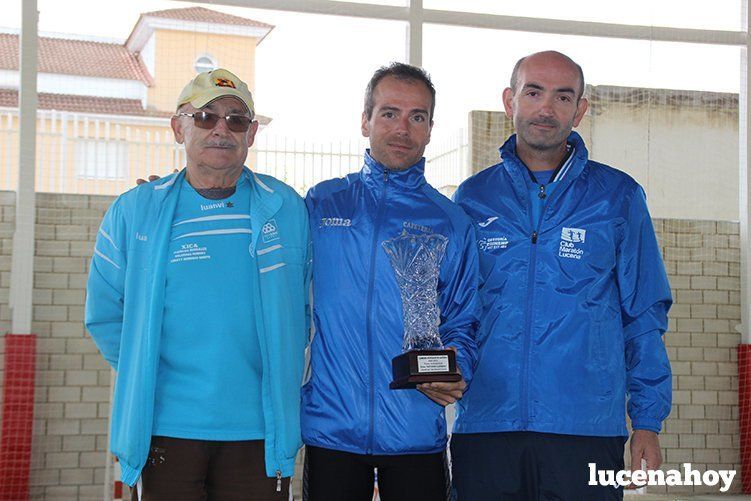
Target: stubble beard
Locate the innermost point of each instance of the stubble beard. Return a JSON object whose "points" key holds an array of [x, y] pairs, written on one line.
{"points": [[545, 142]]}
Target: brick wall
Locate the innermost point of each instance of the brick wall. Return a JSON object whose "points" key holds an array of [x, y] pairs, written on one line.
{"points": [[72, 386], [702, 259]]}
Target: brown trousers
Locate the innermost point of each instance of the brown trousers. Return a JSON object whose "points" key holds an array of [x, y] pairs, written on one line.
{"points": [[207, 470]]}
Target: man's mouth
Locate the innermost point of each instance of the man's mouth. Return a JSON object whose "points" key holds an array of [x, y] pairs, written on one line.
{"points": [[545, 125]]}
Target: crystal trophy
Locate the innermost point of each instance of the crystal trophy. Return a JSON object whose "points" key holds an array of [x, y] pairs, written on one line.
{"points": [[416, 260]]}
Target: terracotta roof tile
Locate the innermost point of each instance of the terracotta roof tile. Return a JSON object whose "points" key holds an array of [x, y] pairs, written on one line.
{"points": [[200, 14], [83, 104], [78, 57]]}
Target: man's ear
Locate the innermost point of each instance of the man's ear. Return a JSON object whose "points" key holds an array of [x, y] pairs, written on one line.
{"points": [[252, 131], [365, 126], [508, 102], [581, 109], [177, 129]]}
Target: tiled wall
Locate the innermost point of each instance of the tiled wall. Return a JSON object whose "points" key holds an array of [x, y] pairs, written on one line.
{"points": [[72, 384]]}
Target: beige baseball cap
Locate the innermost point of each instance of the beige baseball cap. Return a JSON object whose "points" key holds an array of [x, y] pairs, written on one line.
{"points": [[210, 85]]}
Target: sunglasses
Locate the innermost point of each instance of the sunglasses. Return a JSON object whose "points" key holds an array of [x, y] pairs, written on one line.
{"points": [[208, 120]]}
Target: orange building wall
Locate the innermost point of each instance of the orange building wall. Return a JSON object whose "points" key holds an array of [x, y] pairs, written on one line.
{"points": [[177, 51]]}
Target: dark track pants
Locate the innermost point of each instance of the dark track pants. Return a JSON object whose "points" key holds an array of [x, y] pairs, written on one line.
{"points": [[529, 466], [342, 476]]}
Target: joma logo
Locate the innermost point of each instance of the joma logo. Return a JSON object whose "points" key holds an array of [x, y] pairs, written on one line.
{"points": [[335, 221]]}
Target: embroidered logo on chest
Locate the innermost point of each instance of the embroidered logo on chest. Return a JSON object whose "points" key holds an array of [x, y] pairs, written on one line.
{"points": [[571, 243], [270, 231], [489, 244], [334, 221]]}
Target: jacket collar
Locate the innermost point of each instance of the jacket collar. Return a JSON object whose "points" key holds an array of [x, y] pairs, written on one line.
{"points": [[265, 202], [374, 174], [573, 166], [571, 170]]}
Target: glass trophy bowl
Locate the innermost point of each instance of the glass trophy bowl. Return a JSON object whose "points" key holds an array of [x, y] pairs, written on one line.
{"points": [[416, 260]]}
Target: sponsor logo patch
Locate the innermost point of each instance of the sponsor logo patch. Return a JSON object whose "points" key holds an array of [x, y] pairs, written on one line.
{"points": [[215, 205], [492, 243], [270, 231], [334, 221], [574, 235], [487, 222], [409, 225], [190, 252], [571, 240]]}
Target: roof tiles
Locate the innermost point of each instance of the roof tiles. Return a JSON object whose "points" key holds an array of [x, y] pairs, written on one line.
{"points": [[78, 57], [83, 104], [202, 15]]}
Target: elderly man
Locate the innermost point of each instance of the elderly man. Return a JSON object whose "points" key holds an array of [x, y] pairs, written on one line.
{"points": [[197, 298], [352, 423], [575, 301]]}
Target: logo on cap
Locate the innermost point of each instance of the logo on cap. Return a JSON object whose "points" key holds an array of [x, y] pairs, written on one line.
{"points": [[224, 82]]}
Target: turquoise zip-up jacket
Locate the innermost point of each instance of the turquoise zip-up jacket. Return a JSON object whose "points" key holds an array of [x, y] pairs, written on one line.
{"points": [[125, 301]]}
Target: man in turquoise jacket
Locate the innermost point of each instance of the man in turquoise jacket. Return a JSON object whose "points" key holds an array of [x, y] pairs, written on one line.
{"points": [[197, 297]]}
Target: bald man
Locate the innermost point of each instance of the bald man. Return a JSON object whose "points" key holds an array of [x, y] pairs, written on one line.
{"points": [[575, 301]]}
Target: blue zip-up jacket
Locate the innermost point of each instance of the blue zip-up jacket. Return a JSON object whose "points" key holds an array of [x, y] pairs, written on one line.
{"points": [[125, 300], [357, 310], [574, 303]]}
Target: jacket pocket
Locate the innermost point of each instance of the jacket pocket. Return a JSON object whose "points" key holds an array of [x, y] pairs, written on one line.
{"points": [[279, 257], [602, 341]]}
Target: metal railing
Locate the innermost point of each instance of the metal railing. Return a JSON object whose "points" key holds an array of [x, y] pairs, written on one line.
{"points": [[103, 155]]}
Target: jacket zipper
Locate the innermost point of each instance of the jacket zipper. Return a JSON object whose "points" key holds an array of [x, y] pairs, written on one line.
{"points": [[278, 480], [530, 301], [369, 332]]}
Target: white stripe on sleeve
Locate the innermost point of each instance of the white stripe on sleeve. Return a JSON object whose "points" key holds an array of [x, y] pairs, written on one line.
{"points": [[110, 261], [272, 267]]}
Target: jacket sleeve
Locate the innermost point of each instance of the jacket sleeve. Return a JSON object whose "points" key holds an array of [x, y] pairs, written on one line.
{"points": [[105, 288], [645, 301], [460, 303]]}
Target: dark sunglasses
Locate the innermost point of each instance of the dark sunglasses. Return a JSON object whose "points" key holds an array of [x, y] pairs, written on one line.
{"points": [[208, 120]]}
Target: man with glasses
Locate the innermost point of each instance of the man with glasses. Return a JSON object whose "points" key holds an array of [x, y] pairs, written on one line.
{"points": [[575, 301], [197, 297]]}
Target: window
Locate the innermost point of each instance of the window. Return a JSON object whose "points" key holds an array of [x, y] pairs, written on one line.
{"points": [[205, 63], [102, 159]]}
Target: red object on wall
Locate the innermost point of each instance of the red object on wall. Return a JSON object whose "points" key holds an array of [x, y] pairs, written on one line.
{"points": [[118, 490], [744, 407], [17, 416]]}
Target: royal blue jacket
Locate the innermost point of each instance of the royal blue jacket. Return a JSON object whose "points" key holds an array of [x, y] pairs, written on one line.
{"points": [[574, 303], [357, 310], [125, 301]]}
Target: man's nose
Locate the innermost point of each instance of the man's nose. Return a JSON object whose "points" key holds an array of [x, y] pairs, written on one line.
{"points": [[402, 126], [547, 107], [221, 126]]}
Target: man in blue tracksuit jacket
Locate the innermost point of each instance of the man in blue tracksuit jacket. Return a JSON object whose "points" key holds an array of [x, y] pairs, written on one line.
{"points": [[197, 297], [351, 421], [575, 301]]}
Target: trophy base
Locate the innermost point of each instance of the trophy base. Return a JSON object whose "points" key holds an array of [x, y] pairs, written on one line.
{"points": [[423, 366]]}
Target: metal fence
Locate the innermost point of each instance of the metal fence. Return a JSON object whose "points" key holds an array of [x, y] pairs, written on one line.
{"points": [[99, 154]]}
